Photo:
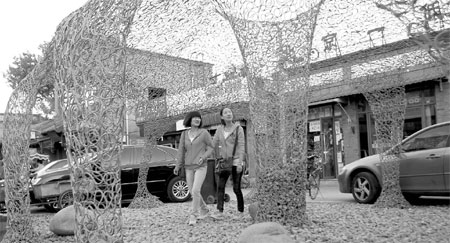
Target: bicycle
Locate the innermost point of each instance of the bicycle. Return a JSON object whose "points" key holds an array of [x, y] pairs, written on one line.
{"points": [[313, 175]]}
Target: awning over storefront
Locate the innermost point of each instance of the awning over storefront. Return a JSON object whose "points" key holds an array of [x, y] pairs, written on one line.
{"points": [[211, 119], [337, 100], [210, 116], [38, 140]]}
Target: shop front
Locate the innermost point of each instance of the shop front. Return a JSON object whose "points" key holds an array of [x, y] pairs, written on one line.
{"points": [[325, 136]]}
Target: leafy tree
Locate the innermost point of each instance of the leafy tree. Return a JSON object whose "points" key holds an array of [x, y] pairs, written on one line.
{"points": [[20, 68]]}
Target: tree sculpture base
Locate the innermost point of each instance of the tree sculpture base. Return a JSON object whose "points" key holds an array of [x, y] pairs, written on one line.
{"points": [[145, 202]]}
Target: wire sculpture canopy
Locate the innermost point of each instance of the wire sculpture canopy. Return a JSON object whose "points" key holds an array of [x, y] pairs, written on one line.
{"points": [[156, 60]]}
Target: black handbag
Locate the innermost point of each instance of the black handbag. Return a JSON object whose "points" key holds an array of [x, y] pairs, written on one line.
{"points": [[226, 164]]}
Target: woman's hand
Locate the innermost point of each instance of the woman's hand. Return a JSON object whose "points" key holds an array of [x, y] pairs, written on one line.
{"points": [[200, 161]]}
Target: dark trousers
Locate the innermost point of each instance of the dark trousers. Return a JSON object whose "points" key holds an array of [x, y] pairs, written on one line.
{"points": [[236, 177]]}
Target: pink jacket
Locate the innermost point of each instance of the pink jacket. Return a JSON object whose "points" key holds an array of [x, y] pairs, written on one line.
{"points": [[189, 153], [225, 146]]}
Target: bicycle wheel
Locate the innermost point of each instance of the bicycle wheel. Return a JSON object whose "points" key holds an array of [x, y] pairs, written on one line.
{"points": [[314, 184]]}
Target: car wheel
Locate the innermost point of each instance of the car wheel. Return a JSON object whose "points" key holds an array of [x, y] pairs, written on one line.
{"points": [[178, 190], [365, 188], [66, 199], [52, 207]]}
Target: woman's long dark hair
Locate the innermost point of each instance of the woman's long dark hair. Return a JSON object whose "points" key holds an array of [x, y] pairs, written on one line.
{"points": [[221, 113]]}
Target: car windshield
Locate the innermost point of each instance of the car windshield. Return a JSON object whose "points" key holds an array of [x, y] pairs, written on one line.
{"points": [[58, 164]]}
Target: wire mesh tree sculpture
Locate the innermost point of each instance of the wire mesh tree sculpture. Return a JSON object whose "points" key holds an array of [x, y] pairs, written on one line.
{"points": [[275, 43], [90, 58], [150, 104], [90, 51], [388, 105], [17, 130], [161, 85], [427, 22], [86, 59], [383, 86]]}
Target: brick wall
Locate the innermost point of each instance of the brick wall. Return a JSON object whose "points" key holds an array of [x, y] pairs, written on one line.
{"points": [[443, 102]]}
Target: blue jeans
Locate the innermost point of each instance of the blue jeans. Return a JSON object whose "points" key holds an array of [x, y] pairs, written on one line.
{"points": [[194, 179]]}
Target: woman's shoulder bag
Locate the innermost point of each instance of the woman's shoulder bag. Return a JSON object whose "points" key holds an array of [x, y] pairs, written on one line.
{"points": [[226, 164]]}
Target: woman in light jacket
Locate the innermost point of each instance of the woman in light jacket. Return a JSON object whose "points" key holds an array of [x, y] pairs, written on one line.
{"points": [[225, 138], [194, 149]]}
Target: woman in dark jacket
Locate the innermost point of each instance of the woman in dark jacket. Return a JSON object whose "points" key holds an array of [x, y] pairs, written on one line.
{"points": [[225, 139]]}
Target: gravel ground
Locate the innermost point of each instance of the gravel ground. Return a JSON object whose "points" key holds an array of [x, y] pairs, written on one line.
{"points": [[329, 222]]}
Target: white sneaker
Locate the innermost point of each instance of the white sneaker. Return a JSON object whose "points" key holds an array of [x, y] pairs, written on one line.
{"points": [[203, 214], [217, 215], [192, 220]]}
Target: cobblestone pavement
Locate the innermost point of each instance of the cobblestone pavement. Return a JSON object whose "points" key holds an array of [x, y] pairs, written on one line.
{"points": [[329, 222]]}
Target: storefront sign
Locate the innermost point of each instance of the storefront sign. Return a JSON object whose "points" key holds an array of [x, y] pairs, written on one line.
{"points": [[314, 126], [414, 100], [316, 139]]}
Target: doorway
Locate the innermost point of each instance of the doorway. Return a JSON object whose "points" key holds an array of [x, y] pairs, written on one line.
{"points": [[321, 137]]}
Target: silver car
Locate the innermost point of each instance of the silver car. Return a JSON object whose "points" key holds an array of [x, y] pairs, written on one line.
{"points": [[424, 168]]}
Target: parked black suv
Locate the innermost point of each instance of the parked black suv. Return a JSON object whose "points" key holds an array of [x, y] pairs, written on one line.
{"points": [[51, 186]]}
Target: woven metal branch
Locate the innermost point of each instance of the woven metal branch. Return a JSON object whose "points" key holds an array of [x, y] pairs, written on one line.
{"points": [[426, 22]]}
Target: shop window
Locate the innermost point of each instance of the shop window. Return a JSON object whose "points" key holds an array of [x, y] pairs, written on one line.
{"points": [[320, 112], [412, 125], [337, 111]]}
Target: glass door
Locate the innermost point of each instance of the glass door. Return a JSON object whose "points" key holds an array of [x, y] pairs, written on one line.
{"points": [[327, 142]]}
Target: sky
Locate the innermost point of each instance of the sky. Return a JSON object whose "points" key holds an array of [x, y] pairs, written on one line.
{"points": [[24, 25]]}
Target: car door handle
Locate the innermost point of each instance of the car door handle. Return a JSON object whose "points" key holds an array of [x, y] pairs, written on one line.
{"points": [[433, 156]]}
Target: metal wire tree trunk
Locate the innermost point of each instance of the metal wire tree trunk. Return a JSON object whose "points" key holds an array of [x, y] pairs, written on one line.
{"points": [[275, 43], [427, 23], [388, 106], [90, 64], [16, 138], [153, 130]]}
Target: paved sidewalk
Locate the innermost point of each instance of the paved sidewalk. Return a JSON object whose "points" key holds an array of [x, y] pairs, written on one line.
{"points": [[329, 192]]}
